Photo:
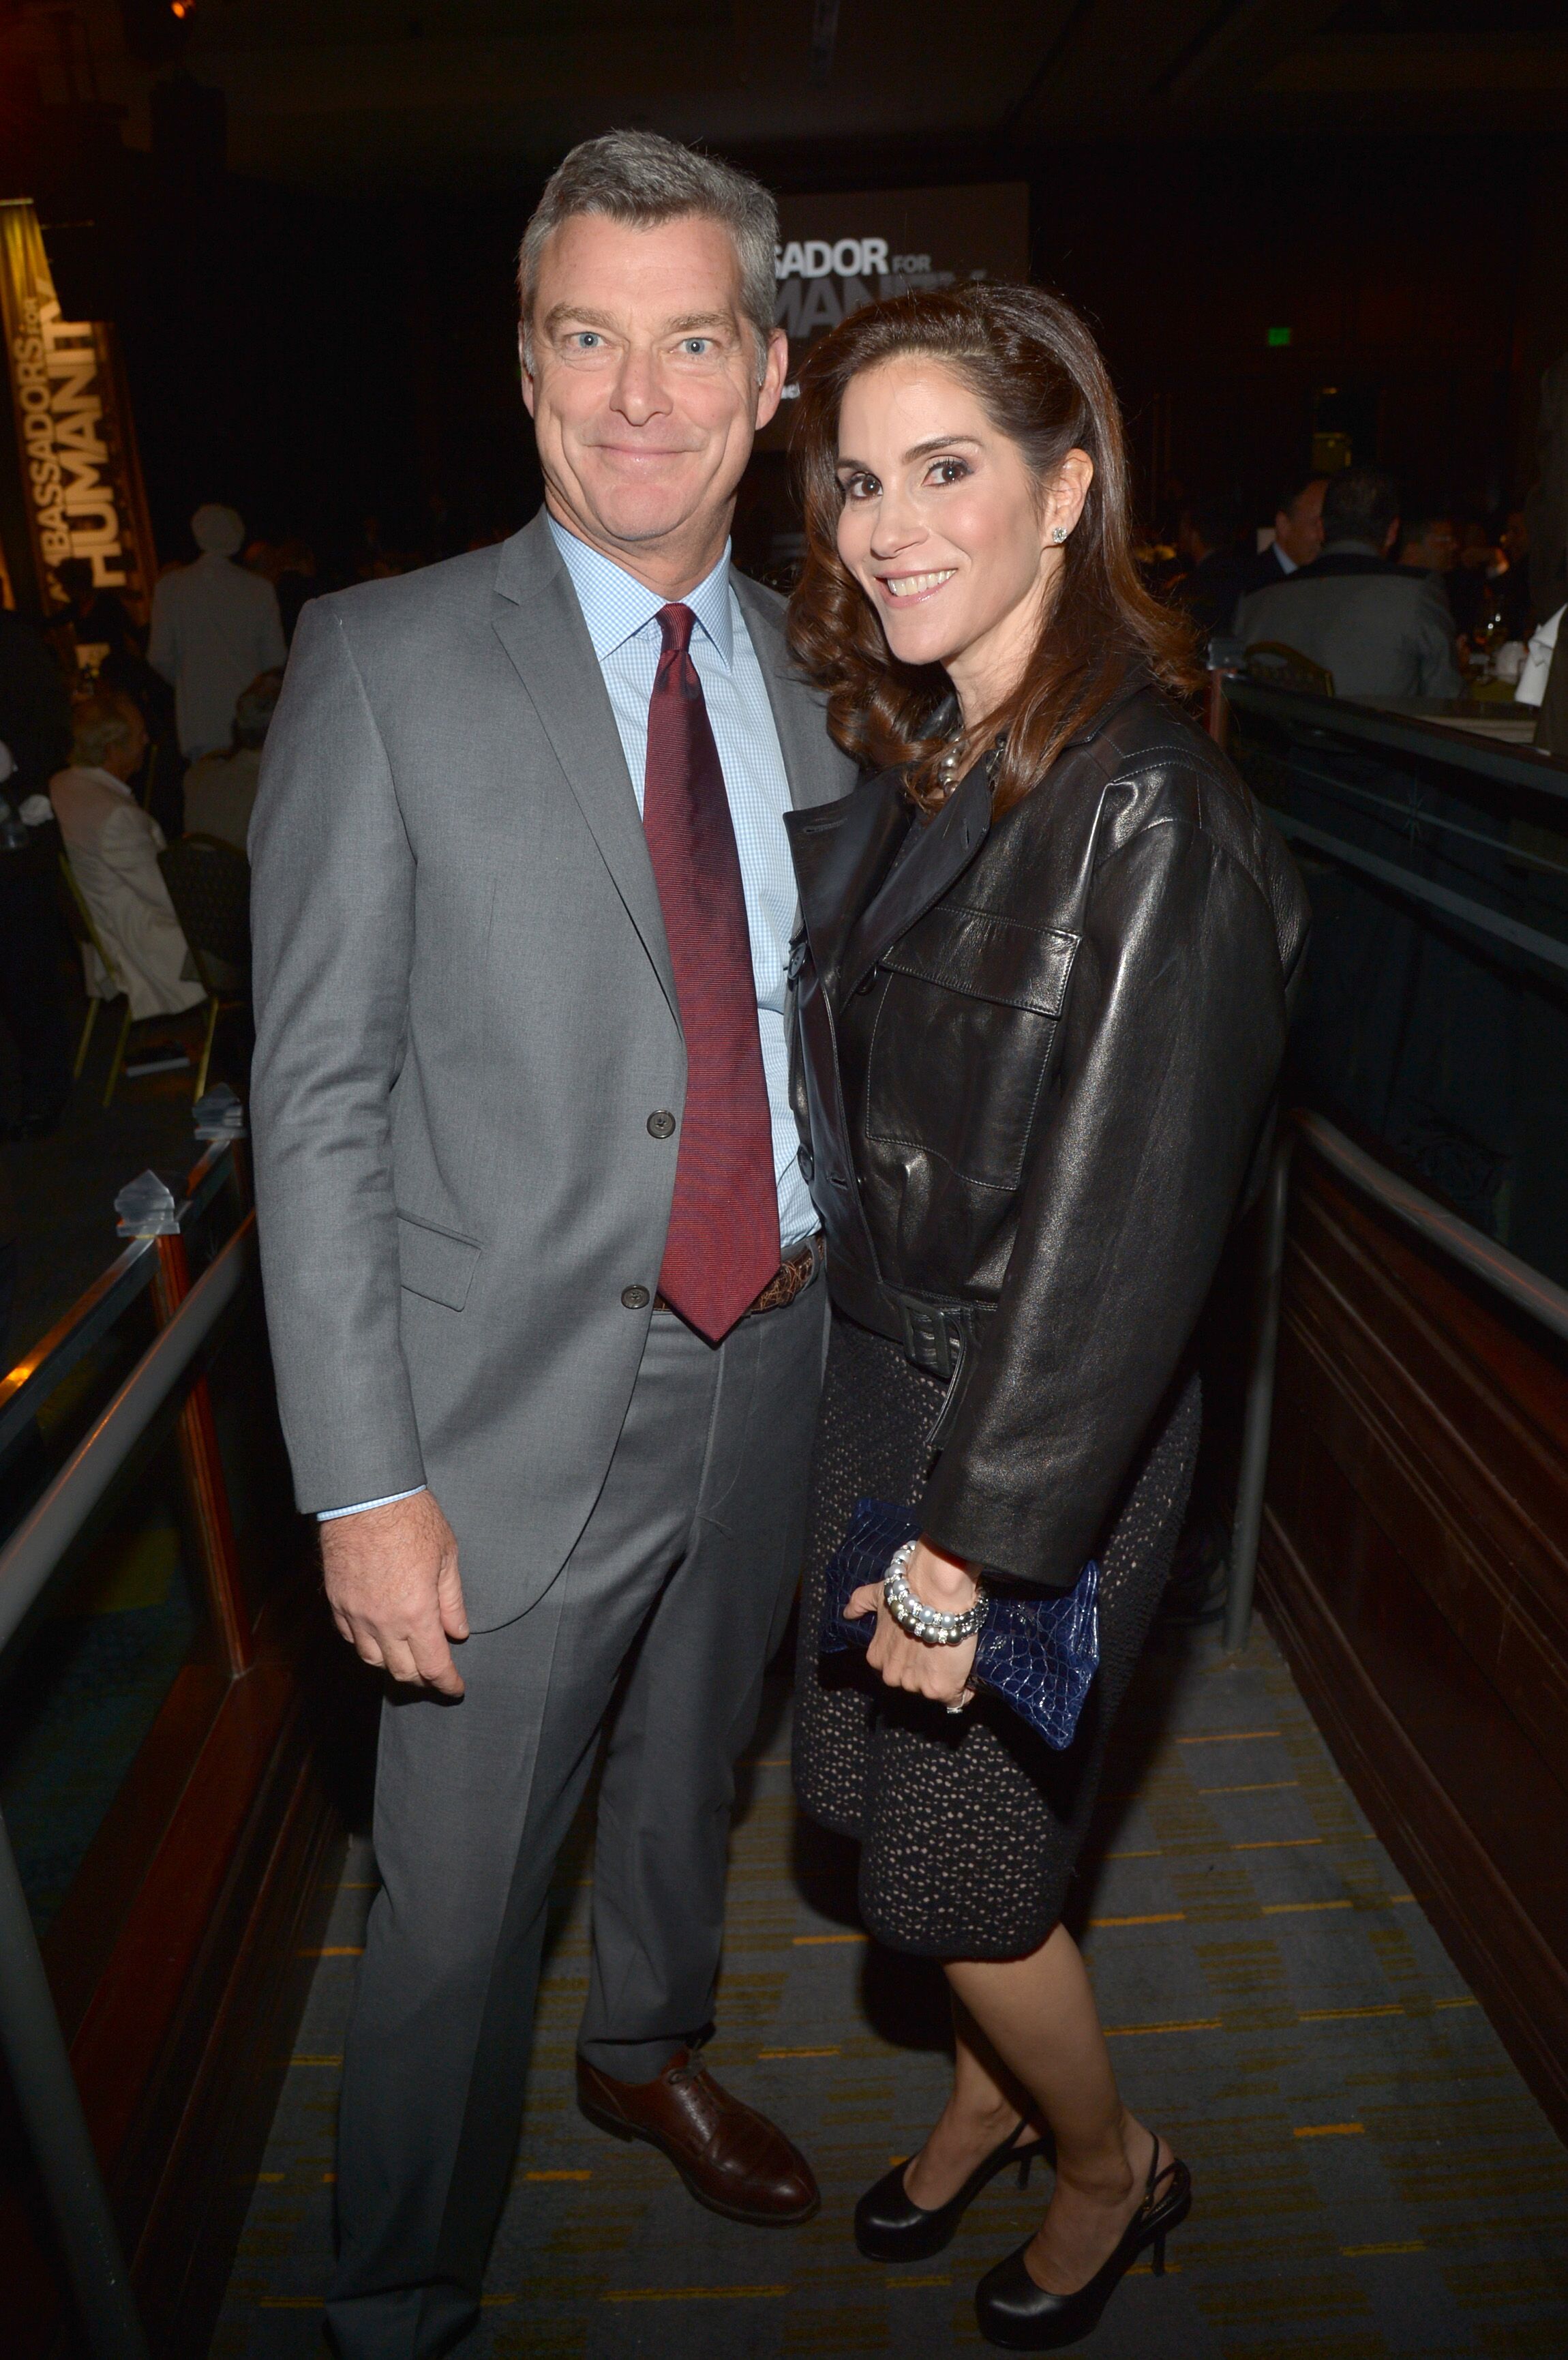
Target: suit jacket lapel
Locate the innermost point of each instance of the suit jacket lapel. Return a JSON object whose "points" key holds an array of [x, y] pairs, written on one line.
{"points": [[816, 771], [539, 624]]}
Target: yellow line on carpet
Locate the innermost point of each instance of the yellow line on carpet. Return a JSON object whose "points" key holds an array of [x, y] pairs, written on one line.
{"points": [[1288, 1908], [558, 2175], [902, 2286], [799, 2052], [1329, 2130], [1268, 1787], [1358, 2253], [690, 2294], [1334, 2014], [1217, 2024], [1226, 1736], [1271, 1844], [1197, 2024], [337, 1951], [316, 2060], [1160, 1918], [818, 1942]]}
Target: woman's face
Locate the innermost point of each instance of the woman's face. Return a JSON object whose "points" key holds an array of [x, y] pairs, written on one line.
{"points": [[949, 534]]}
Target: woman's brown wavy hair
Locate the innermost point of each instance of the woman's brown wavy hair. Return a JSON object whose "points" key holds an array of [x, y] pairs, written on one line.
{"points": [[1038, 375]]}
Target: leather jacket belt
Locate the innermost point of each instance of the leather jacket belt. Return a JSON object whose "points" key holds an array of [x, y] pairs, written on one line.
{"points": [[792, 1278], [934, 1337]]}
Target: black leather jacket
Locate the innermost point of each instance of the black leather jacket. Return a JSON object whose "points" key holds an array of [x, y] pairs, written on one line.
{"points": [[1035, 1064]]}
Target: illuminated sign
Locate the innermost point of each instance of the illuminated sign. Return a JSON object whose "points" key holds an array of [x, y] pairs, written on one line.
{"points": [[837, 253], [80, 483]]}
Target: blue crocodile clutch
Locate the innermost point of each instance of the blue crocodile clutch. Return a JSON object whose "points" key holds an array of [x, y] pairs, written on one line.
{"points": [[1038, 1653]]}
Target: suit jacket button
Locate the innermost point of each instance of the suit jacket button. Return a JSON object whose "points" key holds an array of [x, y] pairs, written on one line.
{"points": [[661, 1125], [635, 1298]]}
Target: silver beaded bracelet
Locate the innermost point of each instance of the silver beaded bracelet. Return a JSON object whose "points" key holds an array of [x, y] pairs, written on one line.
{"points": [[920, 1621]]}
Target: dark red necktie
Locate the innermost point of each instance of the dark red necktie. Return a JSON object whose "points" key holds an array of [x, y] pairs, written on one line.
{"points": [[723, 1246]]}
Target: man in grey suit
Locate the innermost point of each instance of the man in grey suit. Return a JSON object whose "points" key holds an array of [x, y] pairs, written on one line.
{"points": [[541, 1273], [1380, 629]]}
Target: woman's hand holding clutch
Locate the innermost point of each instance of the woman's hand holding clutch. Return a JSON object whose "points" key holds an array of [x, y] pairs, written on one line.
{"points": [[941, 1672]]}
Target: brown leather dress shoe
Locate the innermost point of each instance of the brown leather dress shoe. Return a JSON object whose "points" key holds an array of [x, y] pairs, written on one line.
{"points": [[732, 2159]]}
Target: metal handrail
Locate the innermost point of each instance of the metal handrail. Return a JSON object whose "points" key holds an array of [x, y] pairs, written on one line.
{"points": [[1513, 766], [25, 1387], [1528, 1290], [36, 2053], [30, 1557]]}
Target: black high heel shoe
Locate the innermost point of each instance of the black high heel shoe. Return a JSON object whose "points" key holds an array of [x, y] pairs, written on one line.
{"points": [[1022, 2317], [889, 2226]]}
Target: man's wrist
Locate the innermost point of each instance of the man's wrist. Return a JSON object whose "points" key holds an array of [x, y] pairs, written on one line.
{"points": [[387, 1500]]}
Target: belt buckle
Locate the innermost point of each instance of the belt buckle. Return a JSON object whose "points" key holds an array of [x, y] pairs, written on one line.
{"points": [[933, 1337]]}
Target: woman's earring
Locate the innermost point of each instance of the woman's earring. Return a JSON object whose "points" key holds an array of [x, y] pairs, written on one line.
{"points": [[1059, 532]]}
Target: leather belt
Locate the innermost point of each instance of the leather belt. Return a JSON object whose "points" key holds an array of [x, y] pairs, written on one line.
{"points": [[792, 1278]]}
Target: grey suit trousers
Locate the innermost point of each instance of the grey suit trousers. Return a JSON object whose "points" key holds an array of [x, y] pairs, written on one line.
{"points": [[658, 1630]]}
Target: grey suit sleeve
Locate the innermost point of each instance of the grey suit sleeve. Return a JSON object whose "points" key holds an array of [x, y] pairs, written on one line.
{"points": [[1435, 630], [333, 916]]}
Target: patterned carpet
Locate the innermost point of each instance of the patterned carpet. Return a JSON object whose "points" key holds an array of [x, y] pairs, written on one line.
{"points": [[1372, 2178]]}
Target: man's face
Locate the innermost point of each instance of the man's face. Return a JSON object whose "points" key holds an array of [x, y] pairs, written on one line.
{"points": [[644, 387], [1298, 529], [1437, 549]]}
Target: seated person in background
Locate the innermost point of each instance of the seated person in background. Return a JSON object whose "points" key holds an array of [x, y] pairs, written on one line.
{"points": [[1381, 630], [220, 789], [1298, 537], [114, 846], [1430, 544], [1215, 575]]}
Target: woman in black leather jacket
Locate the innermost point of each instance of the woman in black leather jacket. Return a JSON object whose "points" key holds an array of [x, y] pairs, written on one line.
{"points": [[1041, 995]]}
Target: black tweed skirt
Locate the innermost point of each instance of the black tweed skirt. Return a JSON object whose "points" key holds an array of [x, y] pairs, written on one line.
{"points": [[969, 1827]]}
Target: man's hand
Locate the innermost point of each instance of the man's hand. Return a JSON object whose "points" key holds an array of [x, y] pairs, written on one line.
{"points": [[392, 1583], [917, 1665]]}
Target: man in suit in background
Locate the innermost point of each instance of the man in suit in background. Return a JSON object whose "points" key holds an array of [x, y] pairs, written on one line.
{"points": [[1216, 573], [1298, 537], [1380, 630], [541, 1272]]}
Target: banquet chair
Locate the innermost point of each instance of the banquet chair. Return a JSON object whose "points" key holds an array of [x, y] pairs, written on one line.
{"points": [[1276, 665], [208, 884]]}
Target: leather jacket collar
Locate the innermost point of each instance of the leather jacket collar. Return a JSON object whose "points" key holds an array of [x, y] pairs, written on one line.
{"points": [[857, 895]]}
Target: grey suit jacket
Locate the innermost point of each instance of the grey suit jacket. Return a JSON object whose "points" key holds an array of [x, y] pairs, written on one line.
{"points": [[465, 1014], [1382, 630]]}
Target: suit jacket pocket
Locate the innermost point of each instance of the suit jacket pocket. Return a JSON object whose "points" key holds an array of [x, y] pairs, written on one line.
{"points": [[435, 1263]]}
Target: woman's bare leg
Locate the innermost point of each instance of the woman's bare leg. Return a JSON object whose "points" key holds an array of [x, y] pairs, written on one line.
{"points": [[1036, 2019], [986, 2105]]}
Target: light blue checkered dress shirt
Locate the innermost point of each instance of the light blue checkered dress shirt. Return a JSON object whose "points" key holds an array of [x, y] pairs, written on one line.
{"points": [[620, 614]]}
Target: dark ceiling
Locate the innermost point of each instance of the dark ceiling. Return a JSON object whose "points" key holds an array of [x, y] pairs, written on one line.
{"points": [[373, 94]]}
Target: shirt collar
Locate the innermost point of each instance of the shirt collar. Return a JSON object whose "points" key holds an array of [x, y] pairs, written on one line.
{"points": [[615, 606]]}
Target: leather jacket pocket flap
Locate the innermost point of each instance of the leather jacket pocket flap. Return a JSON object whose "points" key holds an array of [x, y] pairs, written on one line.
{"points": [[986, 956], [434, 1262]]}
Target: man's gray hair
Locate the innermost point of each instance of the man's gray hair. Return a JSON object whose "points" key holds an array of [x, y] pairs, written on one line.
{"points": [[642, 179]]}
